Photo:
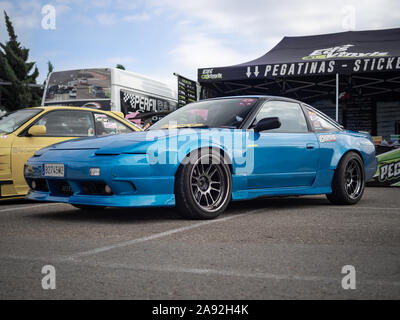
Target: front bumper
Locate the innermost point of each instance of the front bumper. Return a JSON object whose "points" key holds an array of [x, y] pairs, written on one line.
{"points": [[161, 200], [133, 182]]}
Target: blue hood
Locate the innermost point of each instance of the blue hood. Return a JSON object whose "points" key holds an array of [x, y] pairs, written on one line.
{"points": [[113, 144], [136, 142]]}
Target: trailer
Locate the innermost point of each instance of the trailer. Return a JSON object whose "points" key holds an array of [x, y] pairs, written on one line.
{"points": [[109, 89]]}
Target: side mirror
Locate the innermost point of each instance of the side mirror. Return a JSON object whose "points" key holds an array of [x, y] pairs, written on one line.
{"points": [[267, 124], [37, 131]]}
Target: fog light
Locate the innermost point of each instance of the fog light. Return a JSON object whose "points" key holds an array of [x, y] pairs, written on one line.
{"points": [[94, 172], [107, 189], [34, 184]]}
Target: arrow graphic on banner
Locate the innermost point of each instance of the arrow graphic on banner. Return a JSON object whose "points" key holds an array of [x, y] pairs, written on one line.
{"points": [[248, 73], [256, 73]]}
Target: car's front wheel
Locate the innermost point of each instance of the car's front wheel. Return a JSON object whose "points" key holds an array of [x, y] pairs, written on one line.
{"points": [[349, 180], [203, 185]]}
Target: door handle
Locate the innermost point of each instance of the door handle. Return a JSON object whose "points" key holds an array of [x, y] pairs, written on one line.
{"points": [[310, 146]]}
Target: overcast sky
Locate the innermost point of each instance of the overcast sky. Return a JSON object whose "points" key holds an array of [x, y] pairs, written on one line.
{"points": [[159, 37]]}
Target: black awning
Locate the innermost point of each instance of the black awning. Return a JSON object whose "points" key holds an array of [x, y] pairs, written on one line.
{"points": [[351, 52]]}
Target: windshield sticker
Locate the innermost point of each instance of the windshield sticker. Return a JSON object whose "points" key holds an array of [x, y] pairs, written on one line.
{"points": [[247, 102], [187, 125]]}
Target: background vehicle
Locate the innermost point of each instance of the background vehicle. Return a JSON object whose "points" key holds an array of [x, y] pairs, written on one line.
{"points": [[113, 89], [97, 91], [2, 111], [213, 151], [72, 93], [25, 131]]}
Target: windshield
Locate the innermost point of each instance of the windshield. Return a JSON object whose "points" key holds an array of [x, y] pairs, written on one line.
{"points": [[223, 113], [12, 121]]}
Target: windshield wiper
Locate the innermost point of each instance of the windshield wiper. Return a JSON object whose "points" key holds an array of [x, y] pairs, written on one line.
{"points": [[180, 126], [194, 127]]}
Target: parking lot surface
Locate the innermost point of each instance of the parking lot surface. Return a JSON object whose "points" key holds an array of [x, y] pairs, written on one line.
{"points": [[278, 248]]}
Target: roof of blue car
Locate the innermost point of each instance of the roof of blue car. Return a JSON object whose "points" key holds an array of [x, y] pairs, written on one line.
{"points": [[254, 97]]}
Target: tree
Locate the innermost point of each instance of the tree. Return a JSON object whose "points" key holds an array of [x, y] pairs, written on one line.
{"points": [[50, 68], [15, 69], [120, 66]]}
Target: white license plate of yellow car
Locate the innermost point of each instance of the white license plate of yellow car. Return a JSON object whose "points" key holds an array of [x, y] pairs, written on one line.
{"points": [[53, 170]]}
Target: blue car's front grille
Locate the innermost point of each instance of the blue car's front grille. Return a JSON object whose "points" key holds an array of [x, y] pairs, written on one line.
{"points": [[94, 188], [42, 185], [38, 185], [63, 188]]}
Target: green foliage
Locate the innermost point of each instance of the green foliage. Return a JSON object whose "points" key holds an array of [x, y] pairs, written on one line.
{"points": [[120, 66], [50, 68], [15, 68]]}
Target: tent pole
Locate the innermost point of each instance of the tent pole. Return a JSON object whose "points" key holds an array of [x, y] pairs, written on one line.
{"points": [[337, 97]]}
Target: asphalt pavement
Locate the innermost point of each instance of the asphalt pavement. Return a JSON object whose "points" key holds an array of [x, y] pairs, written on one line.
{"points": [[277, 248]]}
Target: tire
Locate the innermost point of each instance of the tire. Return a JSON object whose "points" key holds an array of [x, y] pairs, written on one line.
{"points": [[203, 190], [88, 208], [349, 180]]}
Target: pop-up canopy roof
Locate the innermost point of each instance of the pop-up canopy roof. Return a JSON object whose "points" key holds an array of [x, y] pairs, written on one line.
{"points": [[352, 52]]}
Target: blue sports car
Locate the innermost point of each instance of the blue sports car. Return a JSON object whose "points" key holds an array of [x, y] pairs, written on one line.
{"points": [[206, 154]]}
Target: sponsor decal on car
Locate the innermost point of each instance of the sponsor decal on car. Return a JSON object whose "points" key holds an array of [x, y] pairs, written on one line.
{"points": [[388, 173], [323, 138]]}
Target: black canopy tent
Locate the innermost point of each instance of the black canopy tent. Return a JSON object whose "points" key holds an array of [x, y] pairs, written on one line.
{"points": [[340, 65]]}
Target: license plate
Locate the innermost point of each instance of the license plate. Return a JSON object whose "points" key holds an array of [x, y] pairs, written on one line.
{"points": [[54, 170]]}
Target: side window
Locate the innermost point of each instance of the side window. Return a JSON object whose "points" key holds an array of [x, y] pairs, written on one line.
{"points": [[68, 123], [319, 123], [107, 125], [290, 114]]}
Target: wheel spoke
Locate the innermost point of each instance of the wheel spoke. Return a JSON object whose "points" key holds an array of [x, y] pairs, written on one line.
{"points": [[212, 199], [206, 196], [212, 173]]}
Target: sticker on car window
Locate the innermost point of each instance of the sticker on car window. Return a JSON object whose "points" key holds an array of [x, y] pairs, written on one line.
{"points": [[247, 102]]}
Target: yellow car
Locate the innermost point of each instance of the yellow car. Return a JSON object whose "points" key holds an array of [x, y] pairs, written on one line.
{"points": [[25, 131]]}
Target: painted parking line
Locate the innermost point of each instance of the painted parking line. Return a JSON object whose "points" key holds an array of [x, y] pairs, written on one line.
{"points": [[362, 208], [377, 208], [238, 274], [29, 207], [154, 236]]}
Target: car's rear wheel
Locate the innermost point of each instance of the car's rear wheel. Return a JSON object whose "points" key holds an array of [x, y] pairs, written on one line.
{"points": [[203, 185], [349, 180], [88, 208]]}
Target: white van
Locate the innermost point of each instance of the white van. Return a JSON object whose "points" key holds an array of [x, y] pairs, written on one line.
{"points": [[109, 89]]}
